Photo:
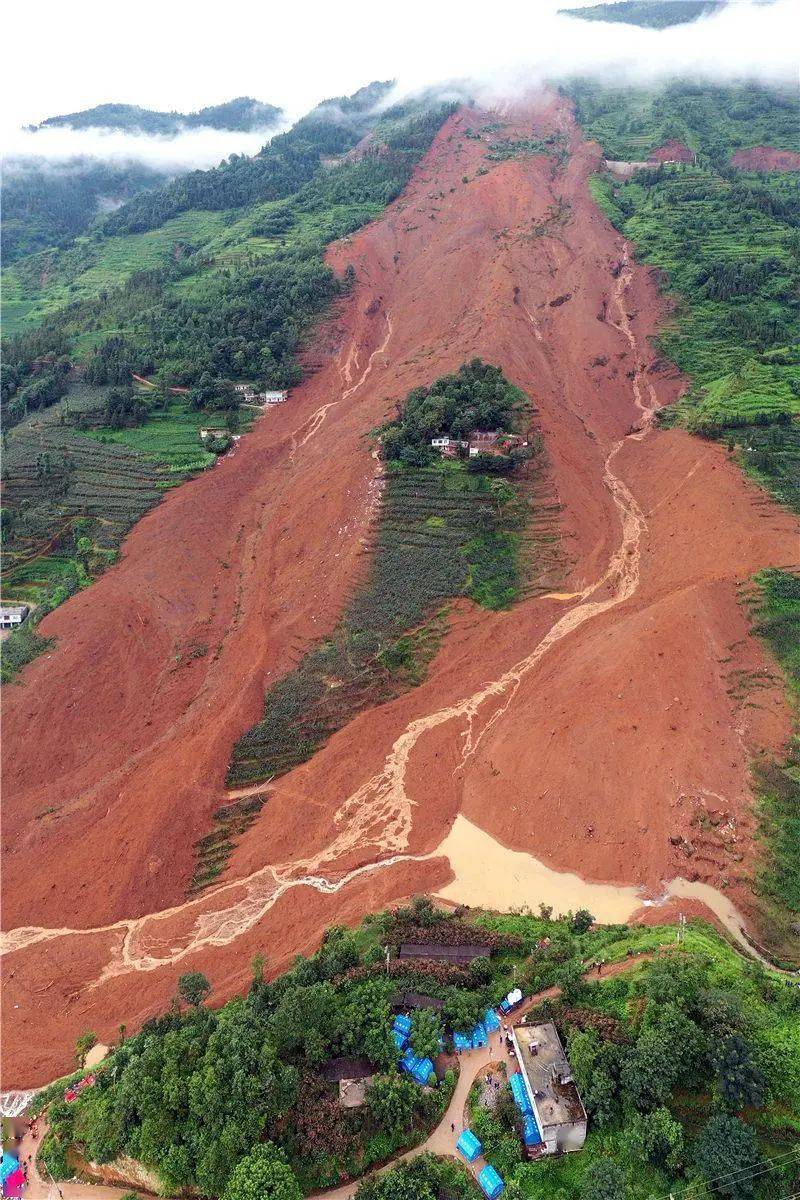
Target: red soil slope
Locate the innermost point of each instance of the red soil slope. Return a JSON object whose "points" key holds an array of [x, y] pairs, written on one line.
{"points": [[672, 151], [595, 748], [766, 158]]}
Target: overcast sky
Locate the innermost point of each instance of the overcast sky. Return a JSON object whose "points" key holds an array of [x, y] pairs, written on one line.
{"points": [[62, 56]]}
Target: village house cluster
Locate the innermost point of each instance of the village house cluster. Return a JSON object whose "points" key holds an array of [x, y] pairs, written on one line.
{"points": [[248, 395], [480, 441]]}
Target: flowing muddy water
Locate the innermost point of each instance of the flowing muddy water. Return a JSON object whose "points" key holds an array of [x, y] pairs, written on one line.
{"points": [[490, 875]]}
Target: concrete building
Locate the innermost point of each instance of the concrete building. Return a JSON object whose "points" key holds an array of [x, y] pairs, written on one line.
{"points": [[12, 615], [551, 1089]]}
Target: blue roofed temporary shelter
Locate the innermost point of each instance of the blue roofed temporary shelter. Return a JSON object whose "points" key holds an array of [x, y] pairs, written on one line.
{"points": [[530, 1131], [469, 1145], [520, 1094], [400, 1039], [402, 1024], [462, 1041], [479, 1036], [408, 1060], [422, 1070], [491, 1021], [9, 1165], [490, 1182]]}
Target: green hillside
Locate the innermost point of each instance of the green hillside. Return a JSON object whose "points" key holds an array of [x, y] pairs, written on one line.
{"points": [[241, 113], [650, 14], [727, 244], [194, 299]]}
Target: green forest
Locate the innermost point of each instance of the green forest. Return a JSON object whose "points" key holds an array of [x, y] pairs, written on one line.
{"points": [[688, 1062]]}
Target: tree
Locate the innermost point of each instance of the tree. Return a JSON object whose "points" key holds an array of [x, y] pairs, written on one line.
{"points": [[658, 1137], [740, 1081], [193, 988], [595, 1065], [569, 978], [582, 921], [263, 1174], [391, 1100], [84, 1045], [462, 1009], [426, 1030], [727, 1151], [604, 1180]]}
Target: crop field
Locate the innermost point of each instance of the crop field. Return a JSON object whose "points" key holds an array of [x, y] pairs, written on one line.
{"points": [[171, 438], [55, 474], [442, 533], [630, 123], [43, 283], [775, 610]]}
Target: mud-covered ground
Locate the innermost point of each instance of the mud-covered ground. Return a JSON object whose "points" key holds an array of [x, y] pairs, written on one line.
{"points": [[598, 730]]}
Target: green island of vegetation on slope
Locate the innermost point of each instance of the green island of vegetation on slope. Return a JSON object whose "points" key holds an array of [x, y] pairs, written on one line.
{"points": [[728, 244], [687, 1062], [447, 527], [198, 300]]}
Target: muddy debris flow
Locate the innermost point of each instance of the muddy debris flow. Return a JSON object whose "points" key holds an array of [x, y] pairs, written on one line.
{"points": [[586, 730]]}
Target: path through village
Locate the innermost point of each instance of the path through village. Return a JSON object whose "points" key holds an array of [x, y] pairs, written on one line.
{"points": [[442, 1140]]}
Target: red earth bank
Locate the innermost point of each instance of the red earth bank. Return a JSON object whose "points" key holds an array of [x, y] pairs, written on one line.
{"points": [[766, 158]]}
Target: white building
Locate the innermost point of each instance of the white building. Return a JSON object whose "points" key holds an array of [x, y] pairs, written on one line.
{"points": [[12, 615], [551, 1089]]}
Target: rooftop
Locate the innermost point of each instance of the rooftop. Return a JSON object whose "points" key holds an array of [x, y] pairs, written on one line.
{"points": [[458, 954], [545, 1065]]}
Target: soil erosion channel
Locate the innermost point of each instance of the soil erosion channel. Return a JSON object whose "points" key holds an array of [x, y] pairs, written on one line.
{"points": [[594, 728]]}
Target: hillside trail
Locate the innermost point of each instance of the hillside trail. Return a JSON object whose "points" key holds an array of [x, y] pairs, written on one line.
{"points": [[588, 726]]}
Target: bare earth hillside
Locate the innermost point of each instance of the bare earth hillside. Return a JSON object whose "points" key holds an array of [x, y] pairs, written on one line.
{"points": [[590, 728]]}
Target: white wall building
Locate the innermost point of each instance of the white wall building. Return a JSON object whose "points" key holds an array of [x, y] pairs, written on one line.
{"points": [[551, 1089]]}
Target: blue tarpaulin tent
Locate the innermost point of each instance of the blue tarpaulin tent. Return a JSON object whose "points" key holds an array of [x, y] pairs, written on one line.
{"points": [[400, 1039], [9, 1165], [462, 1041], [491, 1021], [490, 1182], [402, 1024], [530, 1131], [478, 1036], [520, 1094], [469, 1145], [422, 1070]]}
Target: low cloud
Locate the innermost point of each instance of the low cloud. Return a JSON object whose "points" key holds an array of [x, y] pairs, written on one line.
{"points": [[742, 40], [202, 147]]}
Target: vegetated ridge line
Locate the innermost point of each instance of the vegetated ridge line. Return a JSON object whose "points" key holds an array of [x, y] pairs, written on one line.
{"points": [[380, 811]]}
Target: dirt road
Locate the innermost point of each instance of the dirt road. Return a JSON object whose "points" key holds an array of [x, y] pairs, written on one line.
{"points": [[441, 1141], [601, 729]]}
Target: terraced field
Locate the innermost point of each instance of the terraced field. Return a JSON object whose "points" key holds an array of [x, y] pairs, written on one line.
{"points": [[442, 533], [60, 482]]}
